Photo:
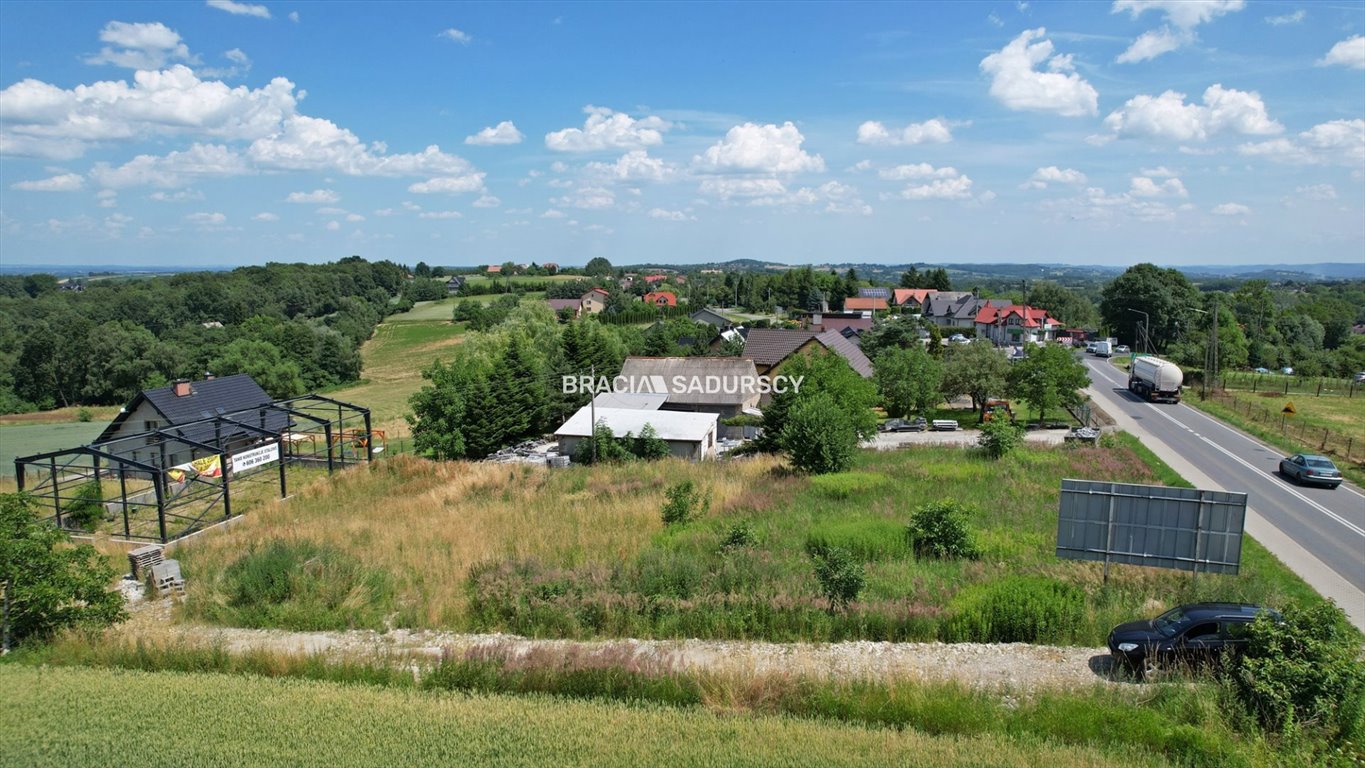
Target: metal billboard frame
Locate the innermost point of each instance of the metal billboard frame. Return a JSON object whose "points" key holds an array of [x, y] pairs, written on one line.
{"points": [[1157, 526]]}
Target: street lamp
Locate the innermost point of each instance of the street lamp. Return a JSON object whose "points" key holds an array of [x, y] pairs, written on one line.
{"points": [[1146, 329]]}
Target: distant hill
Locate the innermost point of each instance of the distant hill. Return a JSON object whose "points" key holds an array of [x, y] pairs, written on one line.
{"points": [[1321, 271]]}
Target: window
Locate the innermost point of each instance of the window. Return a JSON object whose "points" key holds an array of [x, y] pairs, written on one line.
{"points": [[1202, 631]]}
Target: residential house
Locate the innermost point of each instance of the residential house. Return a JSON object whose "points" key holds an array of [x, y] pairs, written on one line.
{"points": [[911, 300], [725, 386], [550, 267], [1014, 324], [875, 293], [865, 305], [769, 348], [182, 409], [690, 436], [836, 321], [939, 306], [652, 279], [711, 317], [661, 299], [493, 269], [573, 305], [594, 301], [453, 285]]}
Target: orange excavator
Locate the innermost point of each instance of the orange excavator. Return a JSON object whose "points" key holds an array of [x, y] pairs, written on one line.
{"points": [[998, 409]]}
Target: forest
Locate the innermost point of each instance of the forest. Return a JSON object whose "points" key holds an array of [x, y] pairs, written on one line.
{"points": [[294, 327]]}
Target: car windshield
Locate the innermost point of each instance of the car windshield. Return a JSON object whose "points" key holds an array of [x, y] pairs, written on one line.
{"points": [[1170, 622], [1323, 463]]}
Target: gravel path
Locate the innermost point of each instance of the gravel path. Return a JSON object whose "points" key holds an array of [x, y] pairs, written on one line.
{"points": [[1012, 667]]}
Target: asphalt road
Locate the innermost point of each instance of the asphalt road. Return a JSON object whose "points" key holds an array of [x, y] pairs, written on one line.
{"points": [[1318, 532]]}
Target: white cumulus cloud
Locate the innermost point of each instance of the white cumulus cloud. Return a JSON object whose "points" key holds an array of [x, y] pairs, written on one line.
{"points": [[472, 182], [1337, 142], [1347, 53], [497, 135], [456, 35], [207, 219], [240, 9], [1317, 192], [591, 198], [1144, 186], [606, 129], [66, 182], [440, 215], [315, 197], [487, 201], [1042, 177], [635, 165], [266, 216], [1231, 209], [917, 171], [1181, 16], [140, 46], [666, 215], [1168, 116], [767, 148], [957, 188], [175, 169], [1019, 85], [935, 131]]}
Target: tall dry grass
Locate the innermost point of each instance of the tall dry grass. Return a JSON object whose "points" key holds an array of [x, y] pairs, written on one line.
{"points": [[425, 524]]}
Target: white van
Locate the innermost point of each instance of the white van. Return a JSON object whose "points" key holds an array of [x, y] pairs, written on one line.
{"points": [[1103, 349]]}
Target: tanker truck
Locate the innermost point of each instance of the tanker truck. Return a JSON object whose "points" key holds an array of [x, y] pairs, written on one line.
{"points": [[1152, 378]]}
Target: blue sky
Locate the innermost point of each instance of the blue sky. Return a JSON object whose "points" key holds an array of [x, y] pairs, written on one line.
{"points": [[192, 134]]}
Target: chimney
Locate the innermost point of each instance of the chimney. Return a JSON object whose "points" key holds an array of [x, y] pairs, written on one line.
{"points": [[182, 387], [208, 375]]}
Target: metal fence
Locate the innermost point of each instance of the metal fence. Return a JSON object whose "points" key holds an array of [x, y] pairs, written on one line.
{"points": [[1320, 439]]}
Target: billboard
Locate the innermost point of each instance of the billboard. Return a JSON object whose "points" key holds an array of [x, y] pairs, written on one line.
{"points": [[1153, 525], [255, 457]]}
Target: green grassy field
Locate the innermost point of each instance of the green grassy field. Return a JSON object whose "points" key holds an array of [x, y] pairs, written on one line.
{"points": [[393, 359], [28, 439], [584, 553], [73, 717]]}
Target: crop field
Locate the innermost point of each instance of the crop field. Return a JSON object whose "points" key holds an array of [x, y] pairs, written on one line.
{"points": [[30, 438], [584, 552], [74, 717]]}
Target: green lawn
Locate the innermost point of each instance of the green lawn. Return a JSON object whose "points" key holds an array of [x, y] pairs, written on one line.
{"points": [[393, 360]]}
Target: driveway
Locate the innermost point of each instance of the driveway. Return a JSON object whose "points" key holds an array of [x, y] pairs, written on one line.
{"points": [[889, 441]]}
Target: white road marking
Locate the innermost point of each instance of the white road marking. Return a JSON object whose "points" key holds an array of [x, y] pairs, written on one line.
{"points": [[1353, 527]]}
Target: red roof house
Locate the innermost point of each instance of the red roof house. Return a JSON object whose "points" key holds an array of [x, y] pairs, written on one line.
{"points": [[1015, 324], [863, 304], [661, 299]]}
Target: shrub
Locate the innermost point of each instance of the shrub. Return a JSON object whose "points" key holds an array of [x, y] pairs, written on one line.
{"points": [[1305, 671], [819, 437], [940, 530], [299, 585], [866, 539], [840, 575], [1016, 609], [741, 534], [84, 415], [684, 501], [999, 437], [648, 445], [609, 449], [85, 507]]}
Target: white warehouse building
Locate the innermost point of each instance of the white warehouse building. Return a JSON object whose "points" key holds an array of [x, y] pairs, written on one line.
{"points": [[690, 436]]}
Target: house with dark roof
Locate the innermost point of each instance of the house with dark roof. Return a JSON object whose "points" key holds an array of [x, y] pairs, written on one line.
{"points": [[770, 348], [453, 285], [725, 386], [186, 409], [572, 305], [835, 321], [711, 317]]}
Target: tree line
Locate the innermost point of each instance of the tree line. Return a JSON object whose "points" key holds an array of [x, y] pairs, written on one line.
{"points": [[293, 327]]}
